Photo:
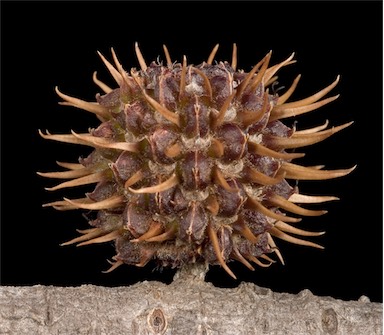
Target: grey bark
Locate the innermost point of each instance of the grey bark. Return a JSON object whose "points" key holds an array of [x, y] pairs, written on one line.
{"points": [[189, 305]]}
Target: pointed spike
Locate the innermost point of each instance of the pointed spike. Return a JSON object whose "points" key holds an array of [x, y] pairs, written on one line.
{"points": [[288, 238], [251, 174], [273, 69], [272, 244], [216, 149], [64, 205], [220, 180], [207, 83], [170, 116], [65, 138], [261, 150], [140, 57], [307, 101], [310, 199], [104, 87], [115, 74], [183, 77], [114, 266], [212, 204], [92, 234], [242, 228], [250, 117], [137, 176], [239, 257], [281, 202], [67, 174], [295, 111], [155, 229], [102, 239], [218, 121], [258, 262], [89, 179], [111, 202], [169, 234], [167, 56], [267, 258], [312, 130], [70, 166], [256, 205], [293, 230], [288, 94], [298, 172], [234, 57], [216, 247], [302, 140], [212, 54], [169, 183], [260, 75]]}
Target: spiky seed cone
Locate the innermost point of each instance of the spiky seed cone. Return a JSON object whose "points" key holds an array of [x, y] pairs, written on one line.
{"points": [[193, 163]]}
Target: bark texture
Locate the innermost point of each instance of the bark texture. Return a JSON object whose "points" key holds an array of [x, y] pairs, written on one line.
{"points": [[189, 305]]}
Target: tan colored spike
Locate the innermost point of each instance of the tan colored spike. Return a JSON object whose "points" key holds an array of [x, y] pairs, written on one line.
{"points": [[217, 148], [288, 238], [272, 244], [109, 203], [281, 202], [70, 166], [299, 172], [234, 57], [91, 107], [114, 266], [242, 86], [261, 150], [91, 233], [216, 247], [251, 117], [212, 54], [302, 140], [295, 111], [65, 206], [170, 116], [169, 183], [207, 83], [89, 179], [307, 101], [102, 142], [310, 199], [76, 173], [104, 87], [220, 180], [273, 69], [264, 256], [113, 235], [258, 262], [137, 176], [167, 56], [218, 121], [212, 204], [115, 74], [260, 75], [183, 77], [140, 57], [155, 229], [312, 130], [169, 234], [173, 151], [255, 176], [293, 230], [243, 229], [65, 138], [256, 205], [289, 92], [239, 257]]}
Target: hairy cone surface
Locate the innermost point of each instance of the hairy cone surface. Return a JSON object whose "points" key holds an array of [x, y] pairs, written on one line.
{"points": [[192, 163]]}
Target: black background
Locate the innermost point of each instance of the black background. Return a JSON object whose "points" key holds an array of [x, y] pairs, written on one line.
{"points": [[51, 43]]}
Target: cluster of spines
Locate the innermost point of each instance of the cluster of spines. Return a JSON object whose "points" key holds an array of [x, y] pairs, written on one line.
{"points": [[191, 163]]}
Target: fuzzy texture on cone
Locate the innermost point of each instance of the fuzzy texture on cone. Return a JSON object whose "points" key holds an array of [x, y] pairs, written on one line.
{"points": [[194, 164]]}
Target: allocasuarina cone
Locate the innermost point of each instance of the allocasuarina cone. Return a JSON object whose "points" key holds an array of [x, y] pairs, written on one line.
{"points": [[192, 163]]}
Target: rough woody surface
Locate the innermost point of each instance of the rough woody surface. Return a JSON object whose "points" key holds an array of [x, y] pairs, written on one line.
{"points": [[189, 305]]}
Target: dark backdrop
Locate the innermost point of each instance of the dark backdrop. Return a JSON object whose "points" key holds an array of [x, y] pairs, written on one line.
{"points": [[44, 44]]}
